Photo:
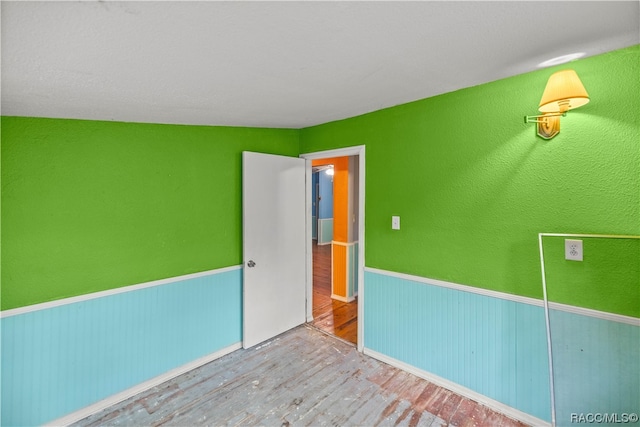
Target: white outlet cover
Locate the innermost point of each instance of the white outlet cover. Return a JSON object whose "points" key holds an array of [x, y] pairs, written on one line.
{"points": [[395, 223], [573, 250]]}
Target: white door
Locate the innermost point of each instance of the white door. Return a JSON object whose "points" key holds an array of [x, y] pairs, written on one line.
{"points": [[273, 205]]}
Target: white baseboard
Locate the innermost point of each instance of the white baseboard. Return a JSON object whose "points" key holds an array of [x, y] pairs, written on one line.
{"points": [[343, 299], [123, 395], [457, 388]]}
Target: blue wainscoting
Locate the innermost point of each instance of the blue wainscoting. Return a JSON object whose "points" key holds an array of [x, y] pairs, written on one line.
{"points": [[492, 346], [314, 227], [326, 195], [596, 366], [58, 360], [352, 270], [325, 231]]}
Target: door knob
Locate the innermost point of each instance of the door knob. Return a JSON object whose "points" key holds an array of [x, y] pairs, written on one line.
{"points": [[251, 263]]}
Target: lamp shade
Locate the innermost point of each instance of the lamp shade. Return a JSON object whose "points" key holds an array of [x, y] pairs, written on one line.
{"points": [[564, 92]]}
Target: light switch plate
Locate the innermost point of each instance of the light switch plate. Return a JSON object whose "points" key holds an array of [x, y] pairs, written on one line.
{"points": [[395, 223], [573, 250]]}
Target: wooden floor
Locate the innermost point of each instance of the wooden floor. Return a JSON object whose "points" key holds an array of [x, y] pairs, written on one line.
{"points": [[303, 377], [334, 317]]}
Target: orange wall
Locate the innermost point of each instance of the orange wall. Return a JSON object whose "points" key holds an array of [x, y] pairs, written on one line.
{"points": [[340, 195], [339, 270]]}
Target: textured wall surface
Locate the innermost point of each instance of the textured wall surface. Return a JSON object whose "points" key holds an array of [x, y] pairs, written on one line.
{"points": [[89, 206], [490, 345], [474, 185], [596, 367], [608, 278], [61, 359]]}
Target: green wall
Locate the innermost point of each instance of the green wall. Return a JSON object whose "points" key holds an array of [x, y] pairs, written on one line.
{"points": [[608, 279], [89, 206], [474, 185]]}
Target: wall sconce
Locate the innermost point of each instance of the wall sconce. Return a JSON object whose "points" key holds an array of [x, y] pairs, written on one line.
{"points": [[564, 92]]}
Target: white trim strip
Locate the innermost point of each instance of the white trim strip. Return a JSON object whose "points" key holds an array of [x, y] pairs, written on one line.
{"points": [[109, 292], [343, 243], [629, 320], [338, 152], [124, 395], [601, 236], [634, 321], [342, 299], [309, 245], [461, 390], [548, 328], [458, 287]]}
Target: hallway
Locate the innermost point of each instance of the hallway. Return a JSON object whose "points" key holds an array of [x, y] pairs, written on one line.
{"points": [[329, 315]]}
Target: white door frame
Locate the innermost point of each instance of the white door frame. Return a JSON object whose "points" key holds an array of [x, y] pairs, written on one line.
{"points": [[340, 152]]}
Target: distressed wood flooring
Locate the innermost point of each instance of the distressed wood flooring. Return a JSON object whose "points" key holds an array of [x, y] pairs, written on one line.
{"points": [[303, 377], [334, 317]]}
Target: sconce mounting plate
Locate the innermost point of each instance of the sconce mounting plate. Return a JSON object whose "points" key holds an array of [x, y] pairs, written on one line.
{"points": [[548, 126]]}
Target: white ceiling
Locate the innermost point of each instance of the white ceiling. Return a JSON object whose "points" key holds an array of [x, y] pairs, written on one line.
{"points": [[280, 64]]}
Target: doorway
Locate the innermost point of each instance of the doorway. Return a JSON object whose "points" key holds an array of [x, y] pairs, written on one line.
{"points": [[335, 303], [335, 264]]}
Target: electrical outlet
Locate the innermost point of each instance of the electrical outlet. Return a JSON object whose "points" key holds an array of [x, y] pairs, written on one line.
{"points": [[573, 250], [395, 223]]}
